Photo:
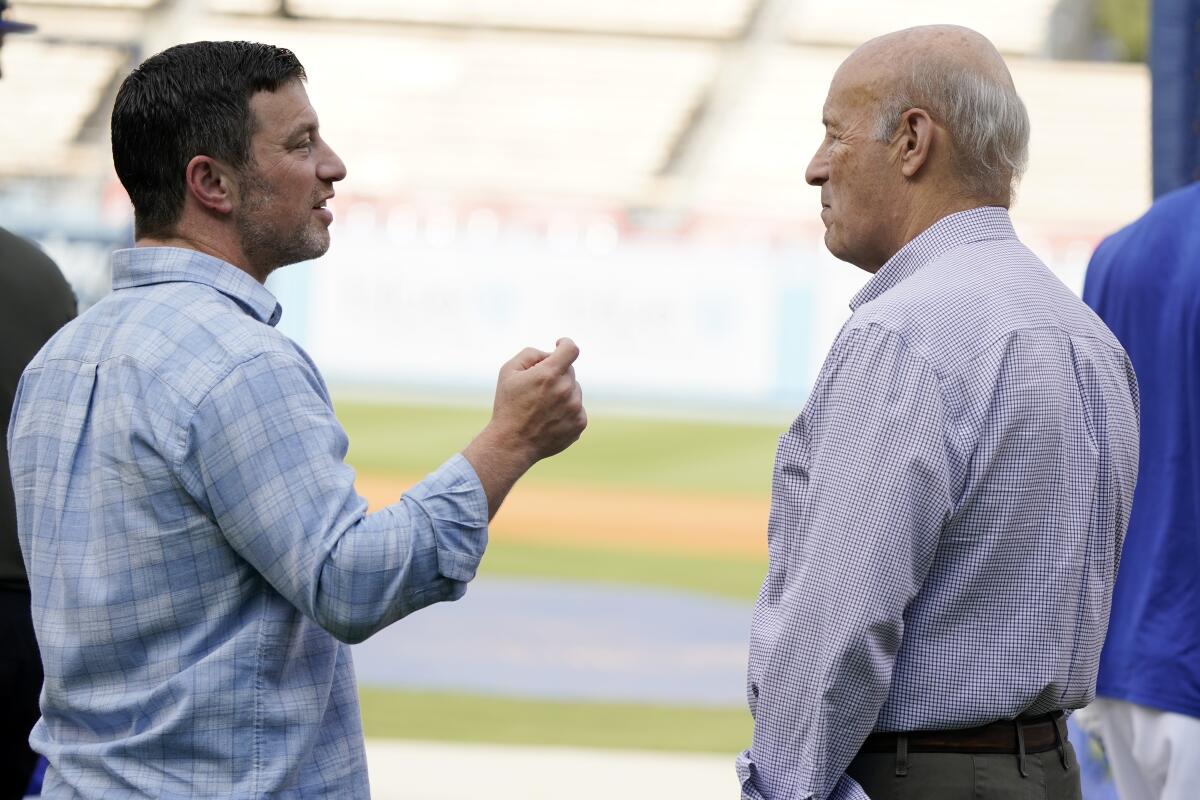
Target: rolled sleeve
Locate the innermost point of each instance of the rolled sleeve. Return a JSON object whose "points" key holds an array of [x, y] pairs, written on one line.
{"points": [[266, 460], [453, 501], [846, 789]]}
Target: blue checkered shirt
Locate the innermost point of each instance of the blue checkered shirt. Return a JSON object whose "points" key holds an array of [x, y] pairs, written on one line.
{"points": [[947, 512], [197, 554]]}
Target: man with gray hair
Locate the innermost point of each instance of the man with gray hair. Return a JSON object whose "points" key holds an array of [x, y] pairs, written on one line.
{"points": [[948, 510]]}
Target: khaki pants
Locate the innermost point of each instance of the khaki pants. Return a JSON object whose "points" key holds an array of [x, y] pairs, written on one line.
{"points": [[965, 776]]}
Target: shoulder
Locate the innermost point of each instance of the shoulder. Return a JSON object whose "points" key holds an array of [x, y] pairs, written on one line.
{"points": [[937, 309], [1169, 210], [977, 297], [877, 353], [20, 252], [1173, 218], [186, 335], [32, 276], [213, 337]]}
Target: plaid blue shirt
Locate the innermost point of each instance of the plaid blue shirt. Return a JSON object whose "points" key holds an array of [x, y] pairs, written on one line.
{"points": [[197, 553], [947, 512]]}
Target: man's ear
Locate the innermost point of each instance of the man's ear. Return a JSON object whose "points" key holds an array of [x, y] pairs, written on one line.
{"points": [[916, 140], [211, 183]]}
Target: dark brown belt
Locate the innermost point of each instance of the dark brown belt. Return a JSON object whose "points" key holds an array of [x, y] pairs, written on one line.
{"points": [[1025, 735]]}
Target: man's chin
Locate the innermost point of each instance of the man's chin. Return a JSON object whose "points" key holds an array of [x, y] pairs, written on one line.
{"points": [[838, 250], [316, 244], [831, 242], [309, 250]]}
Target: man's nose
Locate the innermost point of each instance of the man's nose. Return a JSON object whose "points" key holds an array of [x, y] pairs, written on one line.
{"points": [[818, 170], [331, 167]]}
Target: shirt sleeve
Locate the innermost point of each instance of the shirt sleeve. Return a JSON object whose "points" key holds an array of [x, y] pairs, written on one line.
{"points": [[861, 492], [266, 457]]}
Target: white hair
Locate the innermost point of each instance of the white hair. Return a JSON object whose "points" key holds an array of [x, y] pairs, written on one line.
{"points": [[984, 116]]}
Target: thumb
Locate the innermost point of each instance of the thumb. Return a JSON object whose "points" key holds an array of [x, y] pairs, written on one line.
{"points": [[565, 353]]}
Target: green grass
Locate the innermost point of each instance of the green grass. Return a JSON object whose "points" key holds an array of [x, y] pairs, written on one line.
{"points": [[701, 457], [727, 576], [451, 717], [614, 451]]}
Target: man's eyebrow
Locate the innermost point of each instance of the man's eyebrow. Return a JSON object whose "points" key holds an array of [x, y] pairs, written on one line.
{"points": [[307, 126]]}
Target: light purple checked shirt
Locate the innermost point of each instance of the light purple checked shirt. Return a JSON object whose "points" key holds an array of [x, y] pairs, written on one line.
{"points": [[197, 553], [947, 512]]}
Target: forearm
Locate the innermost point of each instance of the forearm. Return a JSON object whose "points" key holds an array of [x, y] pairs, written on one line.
{"points": [[817, 693], [499, 459], [418, 551]]}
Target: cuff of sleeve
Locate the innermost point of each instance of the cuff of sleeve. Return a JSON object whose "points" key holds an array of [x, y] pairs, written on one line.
{"points": [[453, 499], [747, 776], [848, 789]]}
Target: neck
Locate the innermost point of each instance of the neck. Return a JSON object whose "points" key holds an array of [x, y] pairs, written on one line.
{"points": [[216, 247], [924, 215]]}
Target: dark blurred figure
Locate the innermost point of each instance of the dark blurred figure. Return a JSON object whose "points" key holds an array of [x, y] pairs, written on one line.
{"points": [[1144, 282], [35, 301], [10, 26]]}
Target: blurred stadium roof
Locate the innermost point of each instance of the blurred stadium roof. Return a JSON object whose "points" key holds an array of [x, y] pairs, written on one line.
{"points": [[709, 107]]}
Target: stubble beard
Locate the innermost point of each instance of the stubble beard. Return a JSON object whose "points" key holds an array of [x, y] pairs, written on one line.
{"points": [[265, 245]]}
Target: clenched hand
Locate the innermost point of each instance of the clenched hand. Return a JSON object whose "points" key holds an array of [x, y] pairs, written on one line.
{"points": [[538, 412]]}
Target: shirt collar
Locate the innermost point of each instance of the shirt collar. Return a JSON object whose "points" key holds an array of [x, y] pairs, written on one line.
{"points": [[144, 266], [965, 227]]}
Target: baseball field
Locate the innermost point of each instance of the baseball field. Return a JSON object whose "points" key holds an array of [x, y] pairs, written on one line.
{"points": [[637, 512], [638, 503]]}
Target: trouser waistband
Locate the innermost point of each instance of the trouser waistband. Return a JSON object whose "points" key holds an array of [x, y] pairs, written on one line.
{"points": [[1005, 737]]}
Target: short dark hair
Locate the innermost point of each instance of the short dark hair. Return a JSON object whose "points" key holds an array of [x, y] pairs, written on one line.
{"points": [[189, 100]]}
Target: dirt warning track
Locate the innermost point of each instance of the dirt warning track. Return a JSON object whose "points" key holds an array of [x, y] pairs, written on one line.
{"points": [[629, 518]]}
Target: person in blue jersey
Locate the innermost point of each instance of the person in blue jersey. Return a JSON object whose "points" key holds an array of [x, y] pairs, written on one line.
{"points": [[1144, 282], [198, 557], [947, 510]]}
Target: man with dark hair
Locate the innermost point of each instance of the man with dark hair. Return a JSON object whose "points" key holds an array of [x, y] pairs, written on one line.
{"points": [[35, 301], [197, 553]]}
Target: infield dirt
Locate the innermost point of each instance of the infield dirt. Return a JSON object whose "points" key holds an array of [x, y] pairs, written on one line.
{"points": [[628, 518]]}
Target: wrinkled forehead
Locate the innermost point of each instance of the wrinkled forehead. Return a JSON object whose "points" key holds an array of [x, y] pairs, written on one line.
{"points": [[857, 86]]}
